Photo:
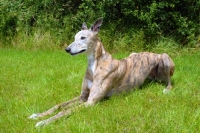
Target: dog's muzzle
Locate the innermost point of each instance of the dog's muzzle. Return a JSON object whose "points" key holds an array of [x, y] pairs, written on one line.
{"points": [[68, 50]]}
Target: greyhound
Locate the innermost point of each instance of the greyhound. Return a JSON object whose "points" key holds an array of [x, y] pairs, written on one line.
{"points": [[106, 76]]}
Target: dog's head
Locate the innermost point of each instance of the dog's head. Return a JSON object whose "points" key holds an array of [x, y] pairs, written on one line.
{"points": [[85, 40]]}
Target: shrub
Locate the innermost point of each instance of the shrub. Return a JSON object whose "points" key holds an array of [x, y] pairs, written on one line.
{"points": [[177, 18]]}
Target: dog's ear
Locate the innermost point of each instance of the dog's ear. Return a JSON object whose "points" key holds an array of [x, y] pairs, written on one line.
{"points": [[84, 26], [96, 26]]}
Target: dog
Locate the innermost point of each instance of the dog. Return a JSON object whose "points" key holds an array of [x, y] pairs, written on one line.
{"points": [[106, 76]]}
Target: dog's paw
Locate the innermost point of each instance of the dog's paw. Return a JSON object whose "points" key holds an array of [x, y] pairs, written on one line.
{"points": [[40, 124], [166, 91], [33, 116]]}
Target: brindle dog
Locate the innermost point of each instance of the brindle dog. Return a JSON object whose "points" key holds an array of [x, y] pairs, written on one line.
{"points": [[106, 76]]}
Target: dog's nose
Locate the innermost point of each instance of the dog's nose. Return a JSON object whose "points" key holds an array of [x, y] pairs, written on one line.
{"points": [[68, 50]]}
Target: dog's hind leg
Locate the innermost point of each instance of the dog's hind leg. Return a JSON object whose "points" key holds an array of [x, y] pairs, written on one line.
{"points": [[163, 71], [64, 105], [167, 68]]}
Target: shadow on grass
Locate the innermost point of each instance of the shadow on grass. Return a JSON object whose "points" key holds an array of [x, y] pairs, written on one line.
{"points": [[147, 83]]}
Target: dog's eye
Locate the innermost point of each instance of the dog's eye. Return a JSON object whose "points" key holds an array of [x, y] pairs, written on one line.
{"points": [[83, 37]]}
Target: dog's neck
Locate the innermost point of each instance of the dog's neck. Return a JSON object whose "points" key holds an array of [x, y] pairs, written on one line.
{"points": [[95, 55], [91, 63]]}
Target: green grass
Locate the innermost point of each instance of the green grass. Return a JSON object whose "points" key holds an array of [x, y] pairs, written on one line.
{"points": [[33, 81]]}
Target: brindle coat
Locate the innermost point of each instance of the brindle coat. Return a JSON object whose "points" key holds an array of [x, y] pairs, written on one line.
{"points": [[106, 76]]}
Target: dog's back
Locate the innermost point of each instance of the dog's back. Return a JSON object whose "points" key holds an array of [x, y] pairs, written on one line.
{"points": [[133, 70]]}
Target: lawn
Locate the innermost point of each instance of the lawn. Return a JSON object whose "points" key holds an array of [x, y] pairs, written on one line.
{"points": [[33, 81]]}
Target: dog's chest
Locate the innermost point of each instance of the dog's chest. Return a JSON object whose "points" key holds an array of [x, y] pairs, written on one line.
{"points": [[89, 85], [91, 64], [91, 67]]}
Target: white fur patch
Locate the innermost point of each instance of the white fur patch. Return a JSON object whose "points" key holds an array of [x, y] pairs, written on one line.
{"points": [[166, 91], [89, 84], [92, 63], [132, 54], [33, 116], [93, 66], [40, 124]]}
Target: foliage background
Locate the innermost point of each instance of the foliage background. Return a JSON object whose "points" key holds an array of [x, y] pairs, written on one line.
{"points": [[32, 81], [27, 23]]}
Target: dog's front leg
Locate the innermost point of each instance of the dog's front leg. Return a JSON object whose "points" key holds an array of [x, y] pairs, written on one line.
{"points": [[56, 107], [85, 89], [98, 91], [59, 115]]}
